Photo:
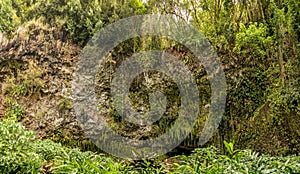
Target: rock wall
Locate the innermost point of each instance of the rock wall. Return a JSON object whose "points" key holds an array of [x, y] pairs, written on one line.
{"points": [[36, 67]]}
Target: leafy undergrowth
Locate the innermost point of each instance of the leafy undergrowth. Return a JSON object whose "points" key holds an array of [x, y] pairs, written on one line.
{"points": [[20, 154]]}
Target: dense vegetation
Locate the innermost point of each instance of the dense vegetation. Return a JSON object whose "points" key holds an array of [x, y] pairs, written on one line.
{"points": [[257, 42], [22, 155]]}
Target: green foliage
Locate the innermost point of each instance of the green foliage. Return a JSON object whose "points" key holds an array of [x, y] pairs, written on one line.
{"points": [[19, 154], [9, 19], [16, 150], [285, 113], [65, 160], [138, 6], [209, 160], [230, 149], [81, 19], [14, 110], [253, 40]]}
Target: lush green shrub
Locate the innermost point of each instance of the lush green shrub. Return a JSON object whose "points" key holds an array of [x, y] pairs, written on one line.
{"points": [[253, 40], [8, 19], [16, 149], [48, 149], [80, 18], [19, 154], [210, 160], [67, 160], [14, 110]]}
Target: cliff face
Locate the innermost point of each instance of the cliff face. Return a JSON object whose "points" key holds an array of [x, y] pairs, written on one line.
{"points": [[36, 67], [36, 70]]}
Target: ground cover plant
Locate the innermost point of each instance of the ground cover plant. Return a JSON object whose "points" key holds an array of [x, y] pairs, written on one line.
{"points": [[21, 154]]}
